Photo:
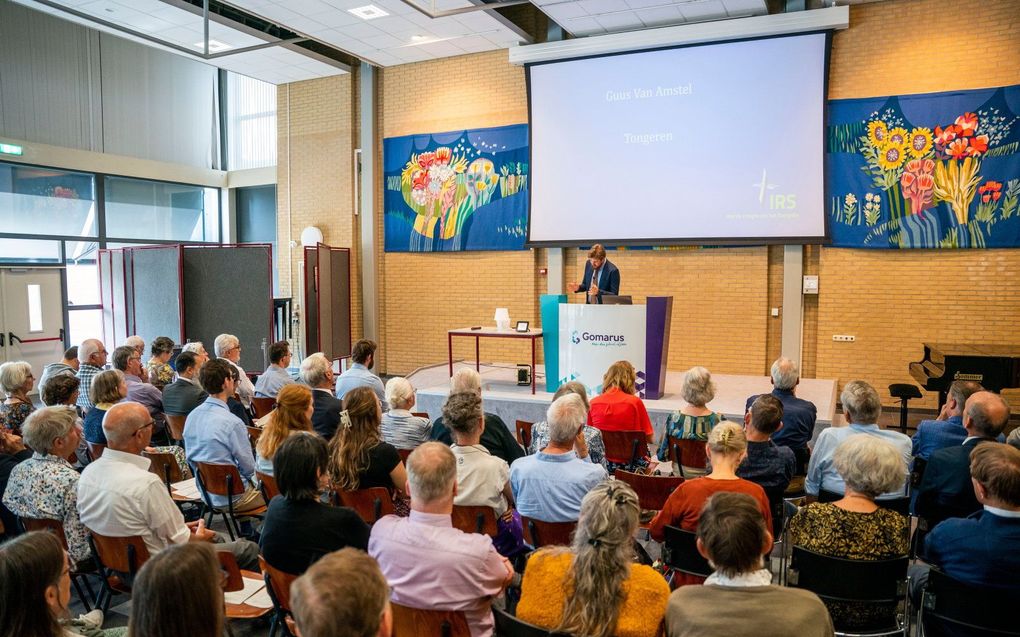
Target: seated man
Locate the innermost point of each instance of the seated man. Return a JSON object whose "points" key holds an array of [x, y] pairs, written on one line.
{"points": [[118, 496], [862, 407], [129, 361], [551, 484], [733, 537], [798, 414], [496, 437], [212, 434], [363, 359], [201, 357], [946, 430], [945, 490], [344, 593], [46, 486], [68, 365], [228, 348], [767, 464], [183, 395], [428, 563], [317, 373], [275, 377], [91, 361]]}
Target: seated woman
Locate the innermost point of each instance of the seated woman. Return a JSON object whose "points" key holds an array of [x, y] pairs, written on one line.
{"points": [[482, 478], [35, 591], [16, 381], [293, 413], [596, 449], [854, 527], [733, 537], [358, 457], [158, 367], [298, 528], [694, 420], [400, 427], [62, 389], [727, 448], [618, 409], [594, 588], [179, 592]]}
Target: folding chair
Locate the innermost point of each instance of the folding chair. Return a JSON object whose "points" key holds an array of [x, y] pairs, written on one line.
{"points": [[175, 423], [254, 433], [116, 556], [690, 453], [951, 608], [538, 533], [78, 578], [652, 491], [267, 485], [404, 453], [371, 504], [278, 585], [680, 553], [262, 406], [235, 581], [475, 519], [95, 450], [223, 480], [509, 626], [418, 622], [630, 445], [523, 430]]}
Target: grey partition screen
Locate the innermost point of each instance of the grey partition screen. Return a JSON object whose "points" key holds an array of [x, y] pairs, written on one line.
{"points": [[311, 300], [119, 297], [229, 289], [157, 283], [328, 300], [105, 262]]}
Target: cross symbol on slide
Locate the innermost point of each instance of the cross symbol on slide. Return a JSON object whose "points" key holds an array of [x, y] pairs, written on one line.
{"points": [[763, 185]]}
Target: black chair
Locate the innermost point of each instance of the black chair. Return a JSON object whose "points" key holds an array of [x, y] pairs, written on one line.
{"points": [[899, 505], [950, 607], [509, 626], [834, 579], [904, 391], [680, 553]]}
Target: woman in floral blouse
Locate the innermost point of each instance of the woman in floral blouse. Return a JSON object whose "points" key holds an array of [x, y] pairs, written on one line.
{"points": [[158, 367], [16, 381]]}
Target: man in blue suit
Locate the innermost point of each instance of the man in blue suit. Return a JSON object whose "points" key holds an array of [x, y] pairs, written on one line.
{"points": [[600, 276], [799, 415], [946, 430]]}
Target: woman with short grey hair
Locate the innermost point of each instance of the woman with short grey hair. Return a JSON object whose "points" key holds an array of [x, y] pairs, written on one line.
{"points": [[16, 381], [694, 420], [399, 426]]}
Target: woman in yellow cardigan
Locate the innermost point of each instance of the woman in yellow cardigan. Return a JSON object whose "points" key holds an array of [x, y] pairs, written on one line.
{"points": [[594, 588]]}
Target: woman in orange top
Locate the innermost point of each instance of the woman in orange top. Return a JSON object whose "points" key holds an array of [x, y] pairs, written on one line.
{"points": [[618, 409], [594, 588]]}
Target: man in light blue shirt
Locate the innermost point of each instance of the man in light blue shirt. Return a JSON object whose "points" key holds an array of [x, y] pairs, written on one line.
{"points": [[363, 357], [212, 434], [273, 379], [862, 407], [550, 485]]}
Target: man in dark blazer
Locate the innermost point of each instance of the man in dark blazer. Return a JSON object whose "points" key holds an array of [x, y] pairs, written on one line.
{"points": [[600, 276], [184, 394], [946, 490], [317, 373]]}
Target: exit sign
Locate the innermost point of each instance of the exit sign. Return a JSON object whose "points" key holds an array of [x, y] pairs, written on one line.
{"points": [[11, 149]]}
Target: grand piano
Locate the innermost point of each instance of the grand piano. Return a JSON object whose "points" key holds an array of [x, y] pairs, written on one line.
{"points": [[996, 367]]}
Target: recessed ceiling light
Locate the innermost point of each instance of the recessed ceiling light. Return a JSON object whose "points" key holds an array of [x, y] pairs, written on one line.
{"points": [[215, 46], [368, 12]]}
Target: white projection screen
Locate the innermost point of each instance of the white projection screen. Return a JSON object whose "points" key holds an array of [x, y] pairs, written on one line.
{"points": [[717, 143]]}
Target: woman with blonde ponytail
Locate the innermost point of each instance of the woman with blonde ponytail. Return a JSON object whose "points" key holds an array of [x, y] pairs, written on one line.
{"points": [[594, 588]]}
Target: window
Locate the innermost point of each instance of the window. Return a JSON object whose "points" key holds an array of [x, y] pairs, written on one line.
{"points": [[83, 324], [140, 209], [251, 123], [256, 220], [46, 201], [29, 251], [82, 273], [35, 322]]}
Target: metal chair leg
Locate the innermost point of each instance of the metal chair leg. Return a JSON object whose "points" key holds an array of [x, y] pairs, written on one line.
{"points": [[81, 593]]}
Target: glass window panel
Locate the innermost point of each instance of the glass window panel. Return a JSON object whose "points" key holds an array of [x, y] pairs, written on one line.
{"points": [[35, 322], [83, 324], [139, 209], [82, 273], [47, 201], [29, 251], [251, 123]]}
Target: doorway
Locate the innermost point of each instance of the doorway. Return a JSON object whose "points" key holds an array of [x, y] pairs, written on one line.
{"points": [[31, 317]]}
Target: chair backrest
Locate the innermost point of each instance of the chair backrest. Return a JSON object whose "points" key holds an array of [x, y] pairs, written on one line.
{"points": [[838, 579], [56, 527], [624, 446], [164, 465], [899, 505], [687, 452], [917, 472], [72, 457], [680, 552], [122, 554], [539, 533], [778, 507], [219, 479], [95, 449], [268, 486], [278, 583], [420, 414], [509, 626], [262, 406], [417, 622], [652, 491], [949, 606], [475, 519], [228, 564], [523, 429], [254, 433], [404, 453], [371, 504], [176, 424]]}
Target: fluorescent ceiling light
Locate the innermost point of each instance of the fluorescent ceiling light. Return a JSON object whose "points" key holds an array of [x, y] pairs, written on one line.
{"points": [[215, 46], [368, 12]]}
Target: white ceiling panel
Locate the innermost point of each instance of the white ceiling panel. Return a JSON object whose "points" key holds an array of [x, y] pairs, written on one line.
{"points": [[593, 17]]}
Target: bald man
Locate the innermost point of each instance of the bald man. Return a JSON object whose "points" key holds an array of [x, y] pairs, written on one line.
{"points": [[118, 496]]}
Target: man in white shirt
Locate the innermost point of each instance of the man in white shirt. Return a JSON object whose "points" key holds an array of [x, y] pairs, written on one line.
{"points": [[228, 347], [119, 497]]}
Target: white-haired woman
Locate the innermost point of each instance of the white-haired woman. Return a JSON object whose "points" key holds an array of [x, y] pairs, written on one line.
{"points": [[16, 381], [855, 527], [228, 347], [594, 588], [399, 426]]}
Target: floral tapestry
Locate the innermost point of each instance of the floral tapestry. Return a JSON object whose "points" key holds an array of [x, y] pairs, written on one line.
{"points": [[939, 170], [462, 190]]}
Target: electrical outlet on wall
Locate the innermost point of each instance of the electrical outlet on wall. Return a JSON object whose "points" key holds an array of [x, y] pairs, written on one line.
{"points": [[843, 338]]}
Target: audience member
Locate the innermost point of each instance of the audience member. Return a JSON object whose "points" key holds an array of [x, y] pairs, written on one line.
{"points": [[182, 396], [590, 445], [61, 389], [212, 434], [551, 484], [400, 427], [428, 563], [271, 381], [798, 414], [594, 587], [482, 479], [158, 367], [946, 430], [293, 413], [68, 365], [12, 453], [862, 407], [91, 361], [46, 486], [855, 527], [766, 464], [317, 373], [229, 349], [358, 375], [179, 592], [118, 496], [618, 409], [1014, 438], [694, 420], [108, 388], [496, 437], [201, 356], [946, 489], [299, 529], [344, 593], [16, 381], [129, 361], [738, 599], [136, 343]]}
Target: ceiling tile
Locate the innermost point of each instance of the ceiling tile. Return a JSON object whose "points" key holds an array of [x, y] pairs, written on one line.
{"points": [[660, 16], [583, 26], [705, 10], [596, 7], [627, 20], [737, 8], [360, 31], [565, 10]]}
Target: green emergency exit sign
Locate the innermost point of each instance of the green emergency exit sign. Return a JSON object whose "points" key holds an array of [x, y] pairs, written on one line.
{"points": [[11, 149]]}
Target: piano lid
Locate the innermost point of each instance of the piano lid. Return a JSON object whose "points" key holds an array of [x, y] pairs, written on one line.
{"points": [[996, 350]]}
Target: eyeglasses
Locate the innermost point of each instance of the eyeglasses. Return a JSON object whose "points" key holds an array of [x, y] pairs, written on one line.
{"points": [[151, 423]]}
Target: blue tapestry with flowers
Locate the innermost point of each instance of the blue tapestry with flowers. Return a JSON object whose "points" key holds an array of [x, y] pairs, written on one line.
{"points": [[938, 170], [461, 190]]}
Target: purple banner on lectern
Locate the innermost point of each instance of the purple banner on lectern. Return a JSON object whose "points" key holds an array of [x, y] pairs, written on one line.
{"points": [[658, 316]]}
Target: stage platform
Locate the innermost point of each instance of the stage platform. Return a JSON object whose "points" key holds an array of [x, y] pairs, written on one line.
{"points": [[511, 402]]}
